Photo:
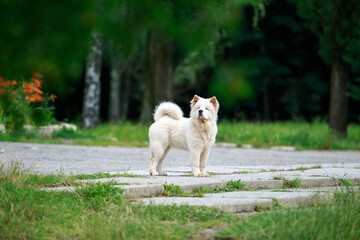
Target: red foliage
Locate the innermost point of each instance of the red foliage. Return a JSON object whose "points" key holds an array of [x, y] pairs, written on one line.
{"points": [[32, 90]]}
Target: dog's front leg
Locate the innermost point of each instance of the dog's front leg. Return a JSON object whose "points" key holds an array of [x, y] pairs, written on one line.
{"points": [[195, 162], [203, 159]]}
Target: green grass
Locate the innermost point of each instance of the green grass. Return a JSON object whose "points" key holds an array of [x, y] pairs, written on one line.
{"points": [[302, 135], [295, 183], [100, 211], [346, 182], [97, 211], [278, 177], [337, 218]]}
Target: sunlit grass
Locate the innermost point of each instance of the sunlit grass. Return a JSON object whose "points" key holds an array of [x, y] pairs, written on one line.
{"points": [[301, 135]]}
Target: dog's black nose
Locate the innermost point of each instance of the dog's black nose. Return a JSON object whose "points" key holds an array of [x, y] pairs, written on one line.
{"points": [[200, 111]]}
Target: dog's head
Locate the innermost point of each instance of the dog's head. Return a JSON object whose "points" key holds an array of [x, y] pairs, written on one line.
{"points": [[204, 108]]}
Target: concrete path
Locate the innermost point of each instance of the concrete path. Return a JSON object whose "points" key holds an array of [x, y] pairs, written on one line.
{"points": [[82, 159], [322, 172]]}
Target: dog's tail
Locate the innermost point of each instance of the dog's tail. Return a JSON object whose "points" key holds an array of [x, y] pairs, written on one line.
{"points": [[168, 109]]}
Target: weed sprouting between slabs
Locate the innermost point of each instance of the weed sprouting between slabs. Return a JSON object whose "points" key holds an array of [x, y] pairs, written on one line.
{"points": [[346, 182], [278, 177], [105, 175], [295, 183], [171, 190]]}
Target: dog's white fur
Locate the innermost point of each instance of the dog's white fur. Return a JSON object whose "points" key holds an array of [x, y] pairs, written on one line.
{"points": [[195, 134]]}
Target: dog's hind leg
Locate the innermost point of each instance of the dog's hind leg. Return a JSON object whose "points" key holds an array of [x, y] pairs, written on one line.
{"points": [[158, 167], [157, 152]]}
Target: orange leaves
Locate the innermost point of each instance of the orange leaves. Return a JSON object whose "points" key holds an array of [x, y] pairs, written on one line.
{"points": [[53, 97], [32, 89], [5, 84], [37, 75]]}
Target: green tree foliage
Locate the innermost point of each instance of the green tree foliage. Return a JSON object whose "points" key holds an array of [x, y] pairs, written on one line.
{"points": [[279, 61], [45, 36]]}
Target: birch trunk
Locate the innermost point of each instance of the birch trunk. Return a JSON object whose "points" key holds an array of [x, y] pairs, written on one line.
{"points": [[92, 89]]}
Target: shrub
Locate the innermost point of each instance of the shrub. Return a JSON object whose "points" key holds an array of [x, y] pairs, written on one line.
{"points": [[23, 102]]}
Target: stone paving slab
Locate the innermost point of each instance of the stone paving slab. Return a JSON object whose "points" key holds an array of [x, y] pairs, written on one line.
{"points": [[146, 186], [230, 204], [244, 201]]}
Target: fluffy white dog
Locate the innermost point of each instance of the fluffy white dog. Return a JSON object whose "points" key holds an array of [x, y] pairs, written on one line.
{"points": [[195, 134]]}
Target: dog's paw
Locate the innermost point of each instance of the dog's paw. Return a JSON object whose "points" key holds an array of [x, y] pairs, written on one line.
{"points": [[200, 174], [154, 173], [163, 174], [205, 174]]}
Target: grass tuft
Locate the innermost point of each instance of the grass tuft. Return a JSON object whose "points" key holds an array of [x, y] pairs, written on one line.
{"points": [[346, 182], [295, 183]]}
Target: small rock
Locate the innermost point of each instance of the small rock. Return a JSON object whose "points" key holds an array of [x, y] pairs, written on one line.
{"points": [[283, 148], [48, 130], [227, 145], [2, 150], [247, 146]]}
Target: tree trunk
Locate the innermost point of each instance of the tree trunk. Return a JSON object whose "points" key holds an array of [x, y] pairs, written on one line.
{"points": [[115, 92], [160, 71], [338, 98], [266, 102], [125, 97], [92, 89]]}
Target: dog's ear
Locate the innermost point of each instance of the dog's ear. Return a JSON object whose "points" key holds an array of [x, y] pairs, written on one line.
{"points": [[195, 100], [214, 102]]}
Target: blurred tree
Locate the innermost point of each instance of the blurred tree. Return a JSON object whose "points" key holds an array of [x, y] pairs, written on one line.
{"points": [[337, 25], [48, 37], [176, 41], [282, 76], [115, 86], [181, 28], [92, 88]]}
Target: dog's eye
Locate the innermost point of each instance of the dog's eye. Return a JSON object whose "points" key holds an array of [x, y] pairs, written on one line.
{"points": [[207, 109]]}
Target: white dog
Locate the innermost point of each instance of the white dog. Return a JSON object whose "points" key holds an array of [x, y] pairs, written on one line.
{"points": [[195, 134]]}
